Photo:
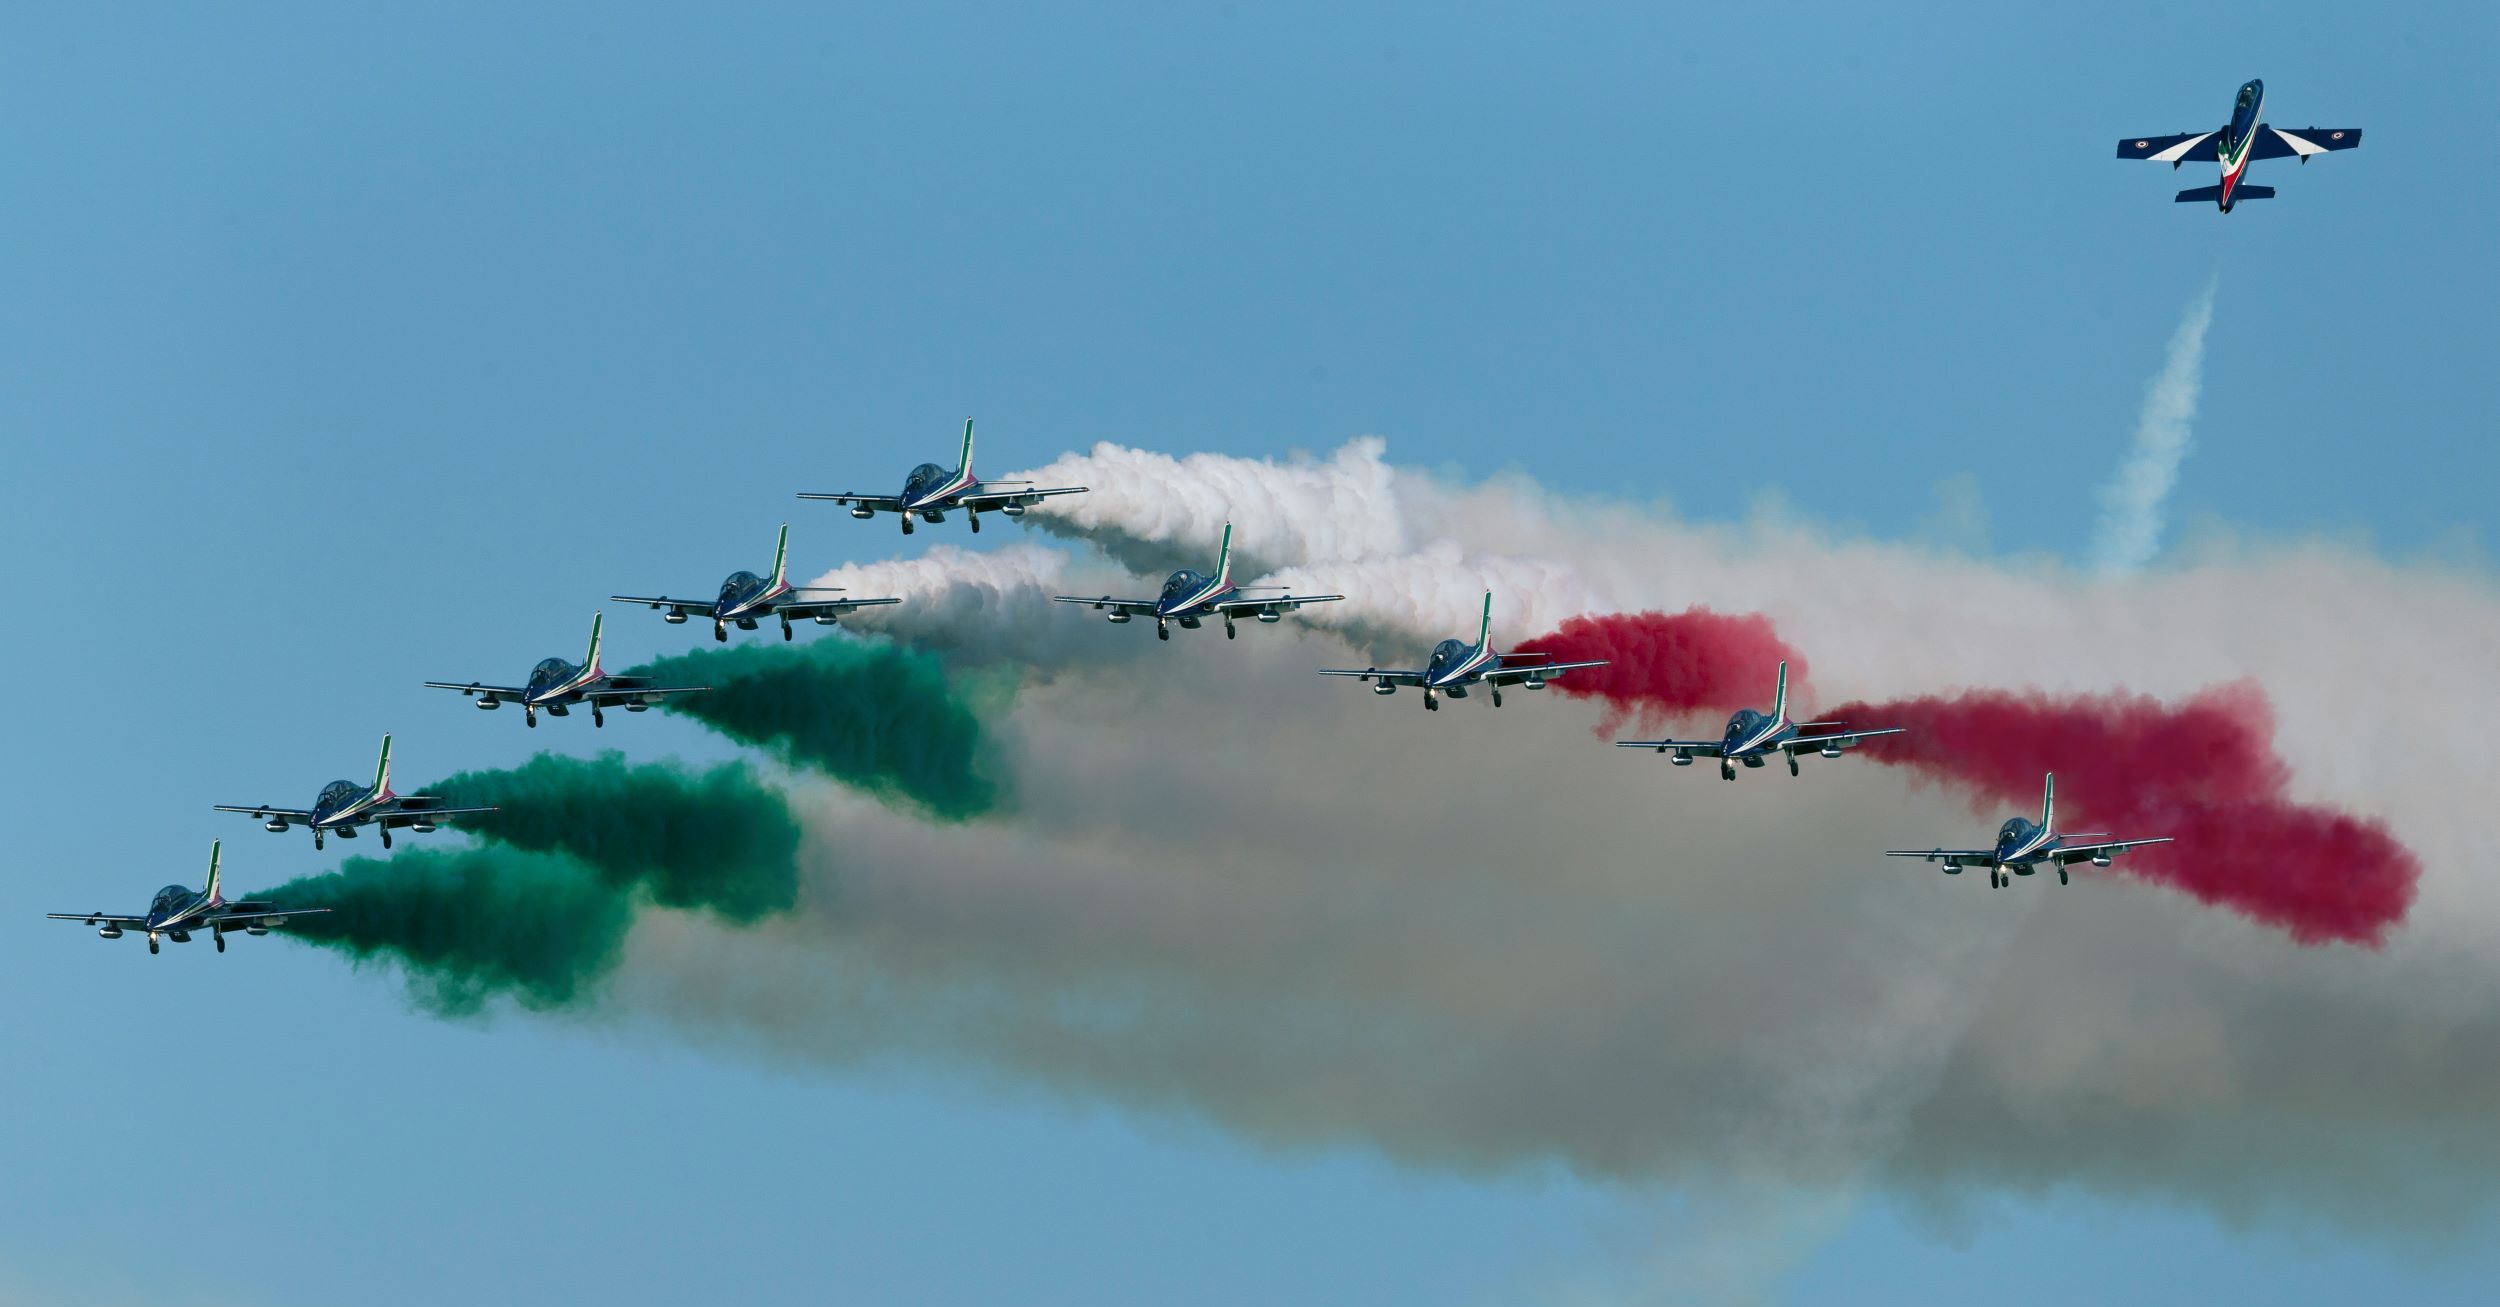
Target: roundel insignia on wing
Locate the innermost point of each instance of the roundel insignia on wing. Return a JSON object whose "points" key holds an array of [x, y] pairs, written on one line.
{"points": [[2334, 136], [2141, 144]]}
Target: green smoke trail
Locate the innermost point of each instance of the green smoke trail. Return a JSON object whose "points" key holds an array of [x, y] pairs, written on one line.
{"points": [[720, 839], [468, 924], [873, 715]]}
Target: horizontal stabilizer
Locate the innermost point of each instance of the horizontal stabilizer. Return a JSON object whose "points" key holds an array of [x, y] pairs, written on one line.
{"points": [[2213, 194]]}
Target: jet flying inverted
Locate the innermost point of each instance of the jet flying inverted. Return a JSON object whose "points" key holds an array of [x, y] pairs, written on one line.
{"points": [[1752, 737], [1456, 665], [178, 910], [2237, 144], [746, 597], [556, 685], [344, 805], [930, 490], [2021, 847], [1189, 598]]}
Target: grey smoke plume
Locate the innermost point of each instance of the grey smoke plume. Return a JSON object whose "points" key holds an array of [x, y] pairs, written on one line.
{"points": [[2131, 504]]}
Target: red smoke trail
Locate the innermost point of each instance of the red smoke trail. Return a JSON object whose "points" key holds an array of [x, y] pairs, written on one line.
{"points": [[1665, 665], [2203, 772]]}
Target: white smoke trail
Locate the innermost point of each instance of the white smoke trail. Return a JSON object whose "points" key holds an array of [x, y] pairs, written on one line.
{"points": [[2131, 504]]}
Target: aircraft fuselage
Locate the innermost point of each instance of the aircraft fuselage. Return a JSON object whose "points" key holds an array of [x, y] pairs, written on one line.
{"points": [[2238, 141]]}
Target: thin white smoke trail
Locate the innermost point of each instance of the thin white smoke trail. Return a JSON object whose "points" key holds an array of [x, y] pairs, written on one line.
{"points": [[2131, 504]]}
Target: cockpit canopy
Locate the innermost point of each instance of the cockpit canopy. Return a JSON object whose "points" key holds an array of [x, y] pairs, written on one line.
{"points": [[169, 898], [2249, 94], [337, 793], [926, 477], [1182, 582], [2014, 830], [1745, 720], [550, 671], [1446, 653], [738, 584]]}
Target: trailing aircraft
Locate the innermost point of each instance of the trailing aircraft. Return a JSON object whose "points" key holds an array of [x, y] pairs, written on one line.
{"points": [[1456, 665], [745, 598], [1189, 598], [177, 910], [342, 806], [2235, 145], [556, 685], [1753, 737], [929, 491], [2021, 847]]}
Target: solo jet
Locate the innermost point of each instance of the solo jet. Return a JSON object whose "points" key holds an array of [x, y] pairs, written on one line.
{"points": [[2237, 144], [343, 806], [930, 490], [746, 597], [2021, 847], [178, 910], [556, 685], [1455, 665], [1189, 598], [1753, 737]]}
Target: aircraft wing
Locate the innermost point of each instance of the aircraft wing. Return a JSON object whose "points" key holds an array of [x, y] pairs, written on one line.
{"points": [[873, 503], [2079, 852], [1690, 748], [2193, 147], [291, 814], [408, 814], [682, 607], [253, 914], [1836, 740], [1959, 857], [634, 689], [98, 918], [1383, 675], [472, 687], [794, 606], [983, 496], [2278, 143], [1535, 671], [1279, 604], [1132, 607]]}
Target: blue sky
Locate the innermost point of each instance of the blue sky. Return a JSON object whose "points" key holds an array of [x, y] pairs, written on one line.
{"points": [[344, 350]]}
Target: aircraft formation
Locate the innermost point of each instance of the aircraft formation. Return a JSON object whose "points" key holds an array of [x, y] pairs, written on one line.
{"points": [[1452, 669]]}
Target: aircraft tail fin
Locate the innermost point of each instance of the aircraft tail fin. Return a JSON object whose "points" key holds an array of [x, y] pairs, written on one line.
{"points": [[216, 856], [2048, 804], [382, 772], [590, 662], [1224, 557], [781, 556], [965, 467], [2213, 194], [1484, 628], [1779, 696]]}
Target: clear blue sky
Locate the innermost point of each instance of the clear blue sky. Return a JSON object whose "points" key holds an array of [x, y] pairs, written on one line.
{"points": [[342, 349]]}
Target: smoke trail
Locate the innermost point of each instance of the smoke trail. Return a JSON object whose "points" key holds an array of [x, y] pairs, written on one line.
{"points": [[1662, 666], [719, 839], [468, 925], [993, 608], [1143, 503], [2131, 504], [881, 718], [2203, 772]]}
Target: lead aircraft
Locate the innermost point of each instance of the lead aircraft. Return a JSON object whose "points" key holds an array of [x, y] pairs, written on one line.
{"points": [[177, 910], [556, 685], [343, 806], [745, 597], [930, 490], [1455, 665], [1188, 598], [1753, 737], [2021, 847], [2235, 145]]}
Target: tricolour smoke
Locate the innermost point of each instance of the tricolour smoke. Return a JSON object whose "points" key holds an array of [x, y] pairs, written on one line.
{"points": [[576, 846], [2131, 504], [871, 714], [2203, 772], [1661, 667]]}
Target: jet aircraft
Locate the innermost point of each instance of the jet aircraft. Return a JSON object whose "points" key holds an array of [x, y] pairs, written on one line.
{"points": [[745, 597], [930, 490], [344, 805], [1189, 598], [2021, 847], [1753, 737], [2237, 144], [178, 910], [556, 685], [1456, 665]]}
